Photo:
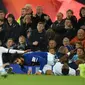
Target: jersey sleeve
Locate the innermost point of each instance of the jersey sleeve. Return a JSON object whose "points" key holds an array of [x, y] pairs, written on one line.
{"points": [[3, 49], [15, 51]]}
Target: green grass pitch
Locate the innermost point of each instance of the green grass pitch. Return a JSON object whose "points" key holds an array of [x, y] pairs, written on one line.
{"points": [[18, 79]]}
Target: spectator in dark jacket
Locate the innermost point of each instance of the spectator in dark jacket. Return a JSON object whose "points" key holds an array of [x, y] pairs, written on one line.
{"points": [[28, 25], [70, 30], [22, 43], [38, 38], [81, 21], [13, 30], [2, 31], [2, 15], [58, 25], [7, 57], [42, 17], [72, 17]]}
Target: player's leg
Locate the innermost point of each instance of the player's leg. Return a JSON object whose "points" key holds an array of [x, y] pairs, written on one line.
{"points": [[42, 63], [2, 70]]}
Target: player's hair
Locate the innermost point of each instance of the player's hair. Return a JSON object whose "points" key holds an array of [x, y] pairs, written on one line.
{"points": [[65, 69]]}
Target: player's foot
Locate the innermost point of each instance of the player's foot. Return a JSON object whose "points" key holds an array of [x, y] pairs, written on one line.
{"points": [[10, 70], [4, 74]]}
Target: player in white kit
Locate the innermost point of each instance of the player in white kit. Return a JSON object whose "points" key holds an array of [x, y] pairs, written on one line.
{"points": [[5, 50]]}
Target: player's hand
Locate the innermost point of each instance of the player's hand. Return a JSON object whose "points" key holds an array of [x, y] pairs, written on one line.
{"points": [[28, 50], [6, 64]]}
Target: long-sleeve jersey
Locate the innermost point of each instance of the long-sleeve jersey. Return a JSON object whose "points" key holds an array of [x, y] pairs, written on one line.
{"points": [[42, 57], [5, 50]]}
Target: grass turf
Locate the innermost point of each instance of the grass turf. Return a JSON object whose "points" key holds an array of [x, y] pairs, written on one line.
{"points": [[41, 80]]}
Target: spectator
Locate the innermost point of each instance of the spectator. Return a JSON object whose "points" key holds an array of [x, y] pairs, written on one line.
{"points": [[2, 15], [7, 57], [78, 45], [80, 37], [66, 42], [52, 44], [27, 25], [27, 40], [2, 31], [81, 21], [10, 44], [79, 55], [29, 9], [42, 17], [50, 34], [38, 38], [13, 30], [58, 25], [70, 31], [69, 15], [22, 43], [23, 13]]}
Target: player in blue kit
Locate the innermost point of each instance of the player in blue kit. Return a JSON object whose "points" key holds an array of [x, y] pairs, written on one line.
{"points": [[42, 57]]}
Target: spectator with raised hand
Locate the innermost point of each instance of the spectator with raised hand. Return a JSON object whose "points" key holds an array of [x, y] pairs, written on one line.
{"points": [[28, 25], [40, 16]]}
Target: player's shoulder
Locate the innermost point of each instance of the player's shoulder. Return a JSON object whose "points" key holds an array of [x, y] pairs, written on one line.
{"points": [[1, 47]]}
